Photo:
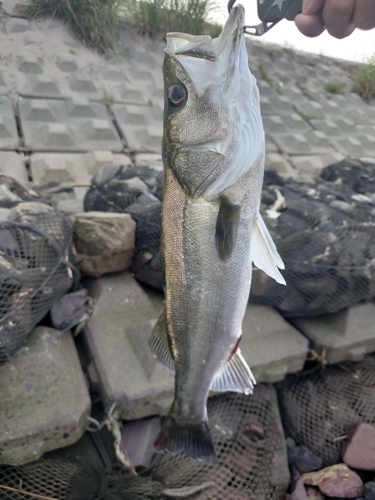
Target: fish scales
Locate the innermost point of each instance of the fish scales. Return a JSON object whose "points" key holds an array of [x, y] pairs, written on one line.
{"points": [[213, 152]]}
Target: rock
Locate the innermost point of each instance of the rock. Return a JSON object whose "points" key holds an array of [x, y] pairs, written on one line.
{"points": [[44, 398], [106, 240], [304, 459], [299, 492], [69, 310], [116, 335], [313, 493], [359, 452], [336, 481], [137, 439], [369, 490]]}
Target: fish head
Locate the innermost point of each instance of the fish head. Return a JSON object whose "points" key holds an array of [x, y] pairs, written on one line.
{"points": [[213, 131]]}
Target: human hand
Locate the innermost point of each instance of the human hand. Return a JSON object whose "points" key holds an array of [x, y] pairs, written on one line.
{"points": [[339, 17]]}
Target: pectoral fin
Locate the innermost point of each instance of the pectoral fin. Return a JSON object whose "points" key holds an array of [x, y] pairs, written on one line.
{"points": [[264, 253], [227, 228], [236, 376], [158, 342]]}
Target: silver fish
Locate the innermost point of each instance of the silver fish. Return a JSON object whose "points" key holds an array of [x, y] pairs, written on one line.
{"points": [[213, 152]]}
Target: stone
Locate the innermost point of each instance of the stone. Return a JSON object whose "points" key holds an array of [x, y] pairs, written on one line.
{"points": [[344, 336], [137, 438], [304, 459], [106, 240], [117, 335], [44, 398], [69, 310], [13, 7], [16, 25], [359, 451], [336, 481], [279, 164], [299, 491], [313, 493], [369, 490], [149, 160]]}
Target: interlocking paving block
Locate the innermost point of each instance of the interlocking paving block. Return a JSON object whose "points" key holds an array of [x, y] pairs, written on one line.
{"points": [[13, 7], [71, 125], [315, 164], [279, 164], [270, 345], [72, 167], [16, 25], [266, 106], [281, 104], [349, 146], [293, 93], [346, 125], [345, 336], [265, 89], [329, 127], [117, 335], [44, 397], [30, 64], [310, 109], [319, 142], [284, 123], [293, 143], [12, 164], [8, 129], [142, 126], [3, 86], [368, 142], [271, 147]]}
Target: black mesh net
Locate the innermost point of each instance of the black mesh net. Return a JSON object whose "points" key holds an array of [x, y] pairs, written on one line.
{"points": [[318, 406], [252, 463], [324, 231], [35, 270]]}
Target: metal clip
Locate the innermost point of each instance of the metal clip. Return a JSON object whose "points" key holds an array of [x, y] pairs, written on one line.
{"points": [[270, 12]]}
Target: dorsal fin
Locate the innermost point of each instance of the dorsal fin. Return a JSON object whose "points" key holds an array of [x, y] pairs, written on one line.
{"points": [[264, 253]]}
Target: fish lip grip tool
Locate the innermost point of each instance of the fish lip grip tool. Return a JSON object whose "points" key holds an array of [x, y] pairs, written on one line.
{"points": [[270, 12]]}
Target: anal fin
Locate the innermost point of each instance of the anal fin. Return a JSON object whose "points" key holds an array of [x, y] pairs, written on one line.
{"points": [[264, 253], [158, 342], [236, 376]]}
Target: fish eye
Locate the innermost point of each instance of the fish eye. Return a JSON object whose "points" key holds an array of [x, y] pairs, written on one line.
{"points": [[177, 95]]}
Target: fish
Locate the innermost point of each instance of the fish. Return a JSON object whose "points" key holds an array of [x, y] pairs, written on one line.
{"points": [[213, 153]]}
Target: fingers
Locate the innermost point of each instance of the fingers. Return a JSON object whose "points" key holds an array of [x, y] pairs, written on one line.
{"points": [[310, 25], [337, 16], [364, 14]]}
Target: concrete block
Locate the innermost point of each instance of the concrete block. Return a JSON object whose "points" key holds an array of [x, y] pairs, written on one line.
{"points": [[8, 129], [40, 86], [13, 7], [72, 167], [346, 125], [319, 142], [66, 63], [117, 336], [265, 89], [12, 164], [292, 143], [281, 104], [71, 130], [4, 89], [315, 164], [345, 336], [271, 147], [293, 93], [329, 127], [349, 146], [30, 64], [16, 25], [278, 163], [44, 398], [367, 141], [140, 126], [266, 106], [312, 110]]}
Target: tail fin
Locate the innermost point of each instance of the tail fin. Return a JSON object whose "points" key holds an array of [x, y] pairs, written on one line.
{"points": [[193, 439]]}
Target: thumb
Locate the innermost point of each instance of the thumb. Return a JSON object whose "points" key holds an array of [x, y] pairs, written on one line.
{"points": [[311, 6]]}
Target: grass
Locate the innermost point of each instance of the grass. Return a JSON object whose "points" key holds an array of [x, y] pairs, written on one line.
{"points": [[305, 116], [265, 75], [108, 98], [335, 88], [157, 17], [96, 22], [365, 82], [93, 21]]}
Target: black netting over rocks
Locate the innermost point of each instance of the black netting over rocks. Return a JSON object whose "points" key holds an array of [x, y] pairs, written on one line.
{"points": [[35, 269], [252, 463], [325, 233], [319, 406], [137, 191]]}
